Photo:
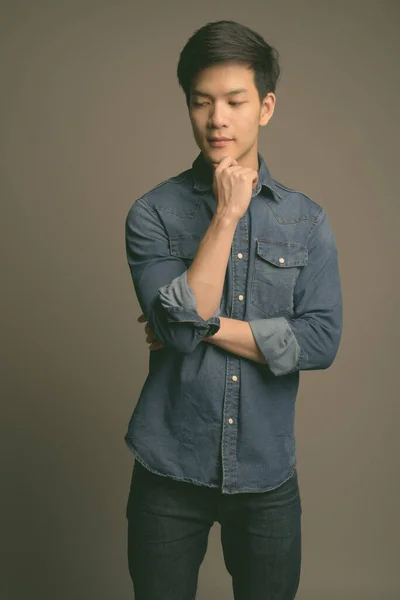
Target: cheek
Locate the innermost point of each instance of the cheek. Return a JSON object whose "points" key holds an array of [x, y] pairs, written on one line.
{"points": [[195, 129], [196, 126], [197, 135], [245, 122]]}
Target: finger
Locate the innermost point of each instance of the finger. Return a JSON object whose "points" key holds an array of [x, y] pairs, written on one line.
{"points": [[156, 346], [151, 333], [152, 338], [227, 161], [142, 318]]}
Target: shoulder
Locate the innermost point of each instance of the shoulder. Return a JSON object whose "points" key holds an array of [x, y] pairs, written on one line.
{"points": [[294, 205], [174, 195]]}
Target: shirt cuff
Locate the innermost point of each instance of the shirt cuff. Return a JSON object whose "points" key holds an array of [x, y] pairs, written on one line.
{"points": [[179, 301], [277, 343]]}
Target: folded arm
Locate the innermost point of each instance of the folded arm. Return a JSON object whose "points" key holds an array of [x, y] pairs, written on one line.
{"points": [[160, 282], [310, 339], [237, 337]]}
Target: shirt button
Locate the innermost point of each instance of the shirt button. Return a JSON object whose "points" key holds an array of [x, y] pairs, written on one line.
{"points": [[234, 378], [230, 421], [240, 297], [240, 255], [281, 260]]}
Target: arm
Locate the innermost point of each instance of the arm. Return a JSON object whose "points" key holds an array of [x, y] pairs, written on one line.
{"points": [[237, 337], [206, 275], [309, 340], [160, 282]]}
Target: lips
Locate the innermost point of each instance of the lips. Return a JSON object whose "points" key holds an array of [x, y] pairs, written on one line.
{"points": [[219, 143]]}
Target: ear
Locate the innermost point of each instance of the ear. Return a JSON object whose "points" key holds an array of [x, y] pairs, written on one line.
{"points": [[267, 108]]}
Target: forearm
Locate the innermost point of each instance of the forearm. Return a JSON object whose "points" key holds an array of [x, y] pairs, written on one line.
{"points": [[236, 336], [206, 275]]}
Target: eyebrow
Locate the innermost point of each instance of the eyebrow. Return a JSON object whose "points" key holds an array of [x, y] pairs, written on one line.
{"points": [[231, 93]]}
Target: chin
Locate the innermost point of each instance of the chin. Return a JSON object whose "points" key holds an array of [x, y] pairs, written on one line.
{"points": [[210, 157], [215, 155]]}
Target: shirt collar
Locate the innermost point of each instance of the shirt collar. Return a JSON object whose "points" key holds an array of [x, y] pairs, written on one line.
{"points": [[203, 175]]}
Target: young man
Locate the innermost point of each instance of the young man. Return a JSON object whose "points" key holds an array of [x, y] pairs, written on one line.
{"points": [[237, 277]]}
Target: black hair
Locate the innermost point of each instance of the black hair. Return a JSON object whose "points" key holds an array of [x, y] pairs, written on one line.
{"points": [[229, 41]]}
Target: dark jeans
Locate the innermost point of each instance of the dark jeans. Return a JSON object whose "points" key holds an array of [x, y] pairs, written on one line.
{"points": [[168, 526]]}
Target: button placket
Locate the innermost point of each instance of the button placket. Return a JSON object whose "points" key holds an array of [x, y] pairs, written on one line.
{"points": [[232, 393], [240, 297]]}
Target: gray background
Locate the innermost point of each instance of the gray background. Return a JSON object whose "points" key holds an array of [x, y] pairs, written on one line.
{"points": [[91, 118]]}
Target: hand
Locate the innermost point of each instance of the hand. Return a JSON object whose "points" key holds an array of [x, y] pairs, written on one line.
{"points": [[155, 344], [232, 187]]}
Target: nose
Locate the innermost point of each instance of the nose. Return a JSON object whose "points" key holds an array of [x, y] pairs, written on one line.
{"points": [[218, 118]]}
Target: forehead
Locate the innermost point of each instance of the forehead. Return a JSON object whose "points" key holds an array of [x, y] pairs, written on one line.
{"points": [[222, 79]]}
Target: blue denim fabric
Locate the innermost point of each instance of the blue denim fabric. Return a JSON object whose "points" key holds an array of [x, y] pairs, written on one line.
{"points": [[205, 415]]}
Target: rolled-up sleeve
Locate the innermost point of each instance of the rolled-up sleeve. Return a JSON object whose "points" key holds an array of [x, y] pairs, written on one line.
{"points": [[310, 339], [160, 282]]}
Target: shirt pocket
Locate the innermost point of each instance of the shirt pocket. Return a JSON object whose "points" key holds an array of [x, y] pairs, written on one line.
{"points": [[184, 246], [276, 268]]}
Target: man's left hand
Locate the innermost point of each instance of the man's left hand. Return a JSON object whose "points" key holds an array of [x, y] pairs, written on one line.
{"points": [[151, 338]]}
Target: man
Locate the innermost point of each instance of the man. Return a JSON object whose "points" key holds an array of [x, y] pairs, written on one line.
{"points": [[237, 277]]}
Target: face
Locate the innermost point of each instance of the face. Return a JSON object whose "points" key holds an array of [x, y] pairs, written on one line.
{"points": [[216, 110]]}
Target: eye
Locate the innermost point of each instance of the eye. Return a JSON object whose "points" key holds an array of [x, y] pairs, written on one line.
{"points": [[203, 103]]}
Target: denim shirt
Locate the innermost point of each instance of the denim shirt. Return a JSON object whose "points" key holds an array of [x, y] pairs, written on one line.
{"points": [[206, 415]]}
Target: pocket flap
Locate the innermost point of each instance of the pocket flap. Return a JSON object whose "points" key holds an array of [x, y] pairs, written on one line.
{"points": [[283, 254], [184, 245]]}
